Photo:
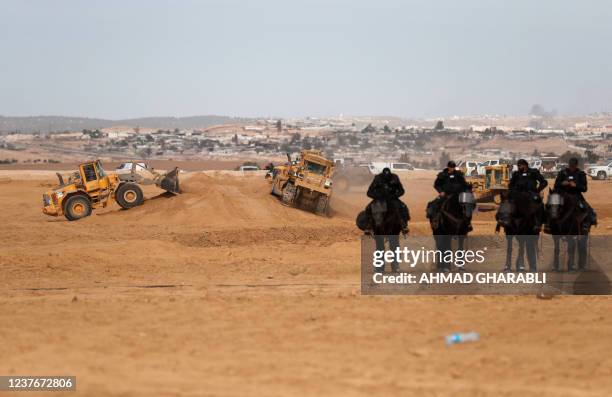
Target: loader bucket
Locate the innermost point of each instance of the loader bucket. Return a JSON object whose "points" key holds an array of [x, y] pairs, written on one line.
{"points": [[170, 181]]}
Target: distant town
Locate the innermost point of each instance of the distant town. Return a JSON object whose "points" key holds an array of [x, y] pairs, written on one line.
{"points": [[422, 143]]}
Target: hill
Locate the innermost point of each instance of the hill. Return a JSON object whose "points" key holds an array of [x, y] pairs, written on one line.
{"points": [[63, 123]]}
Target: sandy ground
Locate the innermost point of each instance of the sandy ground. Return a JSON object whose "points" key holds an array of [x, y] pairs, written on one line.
{"points": [[223, 291]]}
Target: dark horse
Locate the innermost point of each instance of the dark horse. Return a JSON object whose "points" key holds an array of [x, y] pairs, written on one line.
{"points": [[450, 217], [569, 218], [521, 218], [384, 219]]}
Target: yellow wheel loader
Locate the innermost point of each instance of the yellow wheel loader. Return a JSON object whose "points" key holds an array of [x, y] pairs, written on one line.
{"points": [[306, 182], [493, 184], [91, 187]]}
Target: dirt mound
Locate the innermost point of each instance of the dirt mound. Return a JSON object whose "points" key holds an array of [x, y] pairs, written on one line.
{"points": [[228, 201]]}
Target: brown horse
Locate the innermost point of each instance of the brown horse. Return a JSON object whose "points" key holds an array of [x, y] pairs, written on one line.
{"points": [[569, 218], [452, 219], [521, 218]]}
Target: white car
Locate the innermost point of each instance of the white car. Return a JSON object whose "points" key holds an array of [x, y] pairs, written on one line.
{"points": [[481, 166], [127, 167], [537, 164], [377, 167], [601, 172], [471, 168]]}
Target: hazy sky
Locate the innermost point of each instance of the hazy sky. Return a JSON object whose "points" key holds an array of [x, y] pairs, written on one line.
{"points": [[119, 59]]}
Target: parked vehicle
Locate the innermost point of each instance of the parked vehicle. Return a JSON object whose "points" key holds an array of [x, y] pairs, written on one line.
{"points": [[377, 167], [127, 167], [601, 172], [549, 166], [481, 166], [469, 167]]}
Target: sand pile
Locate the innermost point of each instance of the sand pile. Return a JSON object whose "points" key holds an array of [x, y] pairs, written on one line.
{"points": [[227, 201]]}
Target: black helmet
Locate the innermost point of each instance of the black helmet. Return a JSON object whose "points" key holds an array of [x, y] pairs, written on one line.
{"points": [[522, 162], [451, 164]]}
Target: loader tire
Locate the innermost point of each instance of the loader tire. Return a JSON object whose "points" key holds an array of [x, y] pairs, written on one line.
{"points": [[322, 205], [289, 193], [77, 207], [129, 195]]}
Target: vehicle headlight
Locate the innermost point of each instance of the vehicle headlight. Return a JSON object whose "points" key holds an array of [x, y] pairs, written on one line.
{"points": [[328, 183]]}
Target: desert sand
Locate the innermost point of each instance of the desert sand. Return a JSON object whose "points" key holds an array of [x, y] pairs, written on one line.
{"points": [[223, 291]]}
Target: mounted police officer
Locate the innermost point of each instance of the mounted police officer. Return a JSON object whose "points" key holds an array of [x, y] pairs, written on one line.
{"points": [[524, 190], [387, 188], [387, 211], [526, 179], [449, 184], [572, 180], [450, 181]]}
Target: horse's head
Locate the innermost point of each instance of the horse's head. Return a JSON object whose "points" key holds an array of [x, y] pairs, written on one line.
{"points": [[504, 212], [554, 204], [467, 202], [526, 204], [379, 210]]}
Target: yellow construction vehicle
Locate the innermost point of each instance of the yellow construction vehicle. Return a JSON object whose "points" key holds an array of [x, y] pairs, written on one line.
{"points": [[305, 182], [91, 187], [490, 186]]}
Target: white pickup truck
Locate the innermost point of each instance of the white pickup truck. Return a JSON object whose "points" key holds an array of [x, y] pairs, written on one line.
{"points": [[377, 167], [601, 172], [480, 169]]}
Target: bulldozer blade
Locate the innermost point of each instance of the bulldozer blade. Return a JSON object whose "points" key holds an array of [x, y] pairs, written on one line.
{"points": [[170, 181]]}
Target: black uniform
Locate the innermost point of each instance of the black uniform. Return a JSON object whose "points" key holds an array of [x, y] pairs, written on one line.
{"points": [[450, 183], [388, 189], [385, 187], [578, 176], [529, 181]]}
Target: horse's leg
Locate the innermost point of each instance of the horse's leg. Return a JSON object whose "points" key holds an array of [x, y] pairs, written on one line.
{"points": [[380, 246], [531, 243], [583, 241], [508, 266], [571, 249], [520, 259], [393, 245], [442, 245], [437, 240], [557, 245]]}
